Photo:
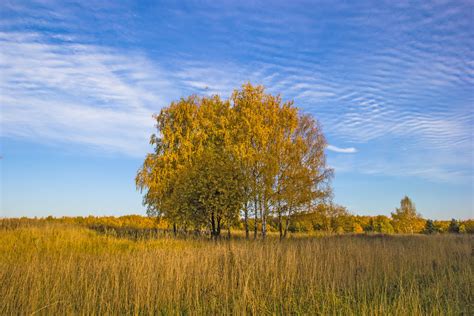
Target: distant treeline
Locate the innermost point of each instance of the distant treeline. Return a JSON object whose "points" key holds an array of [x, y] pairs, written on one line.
{"points": [[323, 220]]}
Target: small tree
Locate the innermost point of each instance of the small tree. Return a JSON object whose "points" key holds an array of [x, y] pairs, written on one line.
{"points": [[453, 226], [406, 219], [381, 224], [430, 227]]}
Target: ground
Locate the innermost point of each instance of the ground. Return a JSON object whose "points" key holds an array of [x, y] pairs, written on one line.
{"points": [[56, 269]]}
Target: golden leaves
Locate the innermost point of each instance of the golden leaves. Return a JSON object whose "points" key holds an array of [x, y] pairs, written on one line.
{"points": [[278, 153]]}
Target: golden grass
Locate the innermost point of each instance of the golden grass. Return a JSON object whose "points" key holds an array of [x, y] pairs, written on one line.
{"points": [[60, 269]]}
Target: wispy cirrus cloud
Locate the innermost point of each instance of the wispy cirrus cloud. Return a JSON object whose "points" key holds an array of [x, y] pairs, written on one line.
{"points": [[86, 94], [392, 80]]}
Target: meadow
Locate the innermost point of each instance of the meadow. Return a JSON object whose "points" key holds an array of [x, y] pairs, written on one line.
{"points": [[60, 269]]}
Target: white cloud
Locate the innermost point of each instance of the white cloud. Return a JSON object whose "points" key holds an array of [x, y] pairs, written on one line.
{"points": [[400, 90], [349, 150], [84, 94]]}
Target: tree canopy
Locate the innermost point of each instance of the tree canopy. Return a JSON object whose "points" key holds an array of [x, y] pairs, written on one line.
{"points": [[215, 160], [406, 219]]}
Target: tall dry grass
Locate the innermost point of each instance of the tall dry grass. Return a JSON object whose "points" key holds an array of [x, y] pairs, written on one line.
{"points": [[59, 270]]}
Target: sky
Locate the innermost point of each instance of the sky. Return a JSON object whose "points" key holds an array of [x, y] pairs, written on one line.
{"points": [[390, 82]]}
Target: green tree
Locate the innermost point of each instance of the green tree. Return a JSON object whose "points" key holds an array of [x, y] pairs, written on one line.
{"points": [[379, 224], [173, 149], [453, 226], [430, 227], [211, 193]]}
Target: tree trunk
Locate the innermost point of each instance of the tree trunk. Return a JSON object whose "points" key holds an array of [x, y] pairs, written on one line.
{"points": [[228, 232], [246, 220], [218, 232], [175, 229], [280, 225], [213, 226], [255, 228], [263, 212], [287, 224]]}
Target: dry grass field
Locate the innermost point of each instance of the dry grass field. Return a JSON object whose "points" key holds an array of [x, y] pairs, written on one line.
{"points": [[57, 269]]}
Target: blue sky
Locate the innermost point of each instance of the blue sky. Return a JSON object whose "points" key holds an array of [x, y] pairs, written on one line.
{"points": [[391, 83]]}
